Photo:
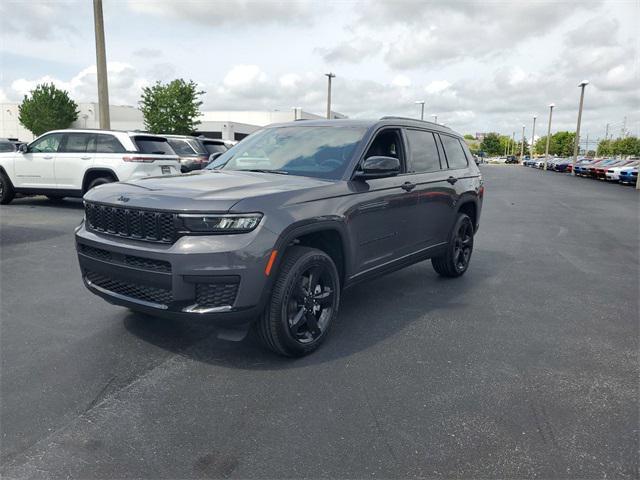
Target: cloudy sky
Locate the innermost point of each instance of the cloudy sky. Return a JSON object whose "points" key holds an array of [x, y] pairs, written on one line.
{"points": [[480, 66]]}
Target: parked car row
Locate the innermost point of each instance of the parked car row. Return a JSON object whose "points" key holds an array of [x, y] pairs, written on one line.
{"points": [[68, 163], [607, 169]]}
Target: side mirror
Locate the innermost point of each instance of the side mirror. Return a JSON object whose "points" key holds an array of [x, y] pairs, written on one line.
{"points": [[378, 167], [23, 148], [213, 156]]}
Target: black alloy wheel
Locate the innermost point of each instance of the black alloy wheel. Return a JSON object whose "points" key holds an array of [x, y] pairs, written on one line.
{"points": [[455, 260], [311, 303], [304, 303]]}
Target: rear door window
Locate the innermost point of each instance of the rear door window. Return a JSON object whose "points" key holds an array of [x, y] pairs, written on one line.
{"points": [[76, 142], [454, 152], [108, 144], [153, 145], [6, 147], [423, 152]]}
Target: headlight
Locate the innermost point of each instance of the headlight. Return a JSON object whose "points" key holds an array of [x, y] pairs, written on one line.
{"points": [[212, 223]]}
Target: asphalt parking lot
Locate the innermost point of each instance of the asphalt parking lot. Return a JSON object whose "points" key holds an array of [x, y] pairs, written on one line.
{"points": [[526, 366]]}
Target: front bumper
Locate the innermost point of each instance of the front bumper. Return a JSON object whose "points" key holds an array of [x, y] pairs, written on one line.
{"points": [[216, 277]]}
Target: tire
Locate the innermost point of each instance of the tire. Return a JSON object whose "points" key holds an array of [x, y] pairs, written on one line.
{"points": [[99, 181], [7, 193], [297, 320], [455, 261]]}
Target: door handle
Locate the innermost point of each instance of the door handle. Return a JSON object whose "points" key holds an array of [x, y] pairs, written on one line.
{"points": [[85, 158], [452, 180], [47, 157], [408, 186]]}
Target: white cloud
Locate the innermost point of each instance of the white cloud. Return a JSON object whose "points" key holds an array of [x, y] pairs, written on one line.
{"points": [[242, 77], [233, 12], [401, 81], [290, 80], [437, 86], [125, 84]]}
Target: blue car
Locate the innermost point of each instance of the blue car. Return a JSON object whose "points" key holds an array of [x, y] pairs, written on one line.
{"points": [[629, 175]]}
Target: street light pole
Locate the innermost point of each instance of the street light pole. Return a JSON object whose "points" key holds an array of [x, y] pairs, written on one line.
{"points": [[329, 76], [513, 143], [421, 103], [435, 118], [101, 62], [533, 136], [522, 146], [582, 84], [546, 150]]}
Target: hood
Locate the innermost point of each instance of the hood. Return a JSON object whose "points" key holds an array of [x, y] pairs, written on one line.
{"points": [[205, 190]]}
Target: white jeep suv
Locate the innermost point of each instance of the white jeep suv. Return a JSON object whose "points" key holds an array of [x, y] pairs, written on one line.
{"points": [[68, 163]]}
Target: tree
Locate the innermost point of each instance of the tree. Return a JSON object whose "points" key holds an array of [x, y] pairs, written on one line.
{"points": [[468, 136], [620, 146], [561, 144], [47, 108], [490, 145], [171, 108]]}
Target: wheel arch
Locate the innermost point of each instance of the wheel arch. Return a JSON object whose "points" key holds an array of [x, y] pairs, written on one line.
{"points": [[468, 204], [95, 172], [327, 235]]}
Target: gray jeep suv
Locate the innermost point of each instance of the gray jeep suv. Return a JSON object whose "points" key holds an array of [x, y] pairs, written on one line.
{"points": [[282, 223]]}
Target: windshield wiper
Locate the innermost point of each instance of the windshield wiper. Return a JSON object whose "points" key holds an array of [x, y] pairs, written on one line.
{"points": [[263, 170]]}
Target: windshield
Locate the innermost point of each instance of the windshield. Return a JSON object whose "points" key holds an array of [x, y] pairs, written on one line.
{"points": [[322, 152]]}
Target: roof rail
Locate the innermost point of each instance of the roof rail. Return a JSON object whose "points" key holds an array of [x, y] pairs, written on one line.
{"points": [[396, 117]]}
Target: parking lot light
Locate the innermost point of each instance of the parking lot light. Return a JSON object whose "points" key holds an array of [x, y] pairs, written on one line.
{"points": [[546, 150], [329, 76], [576, 147], [421, 103], [522, 146], [533, 137]]}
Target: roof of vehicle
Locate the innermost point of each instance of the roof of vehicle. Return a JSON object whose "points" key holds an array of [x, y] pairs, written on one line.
{"points": [[384, 121], [99, 130]]}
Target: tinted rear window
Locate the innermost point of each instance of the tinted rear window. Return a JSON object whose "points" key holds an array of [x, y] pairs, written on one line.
{"points": [[454, 152], [153, 145], [214, 147], [424, 152]]}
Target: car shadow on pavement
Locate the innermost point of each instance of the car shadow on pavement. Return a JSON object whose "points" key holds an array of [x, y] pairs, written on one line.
{"points": [[43, 202], [369, 313]]}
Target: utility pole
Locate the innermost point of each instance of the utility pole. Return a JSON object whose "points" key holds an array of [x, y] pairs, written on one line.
{"points": [[533, 136], [513, 144], [582, 84], [329, 76], [522, 146], [606, 132], [435, 118], [546, 150], [101, 63]]}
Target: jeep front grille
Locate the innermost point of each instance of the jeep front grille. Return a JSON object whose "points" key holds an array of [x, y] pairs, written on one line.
{"points": [[128, 260], [129, 289], [131, 222]]}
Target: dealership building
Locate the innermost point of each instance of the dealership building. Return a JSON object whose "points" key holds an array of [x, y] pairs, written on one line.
{"points": [[228, 125]]}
